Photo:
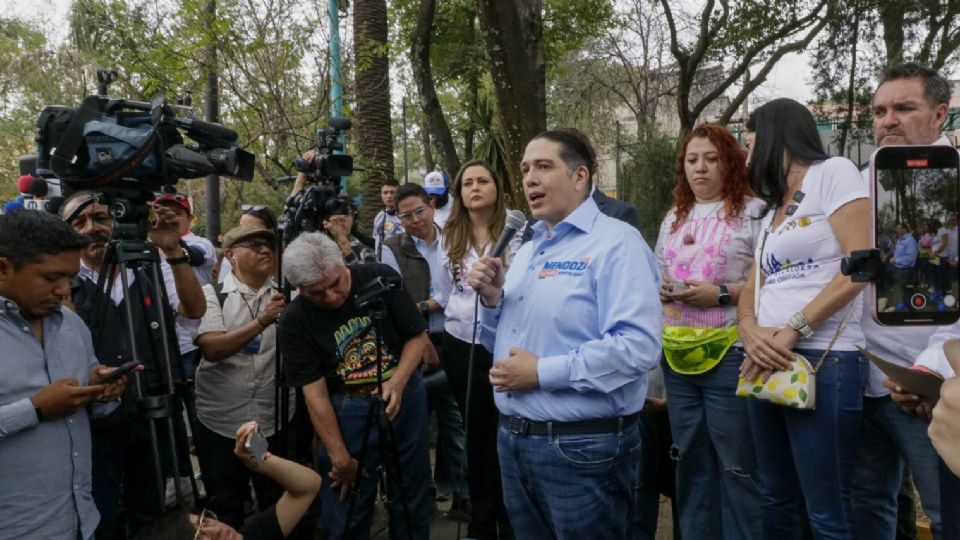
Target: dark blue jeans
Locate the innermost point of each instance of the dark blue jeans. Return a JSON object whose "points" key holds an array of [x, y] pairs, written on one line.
{"points": [[569, 487], [412, 446], [888, 441], [808, 456], [718, 494]]}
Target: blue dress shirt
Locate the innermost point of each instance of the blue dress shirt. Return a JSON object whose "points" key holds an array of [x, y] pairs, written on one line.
{"points": [[905, 252], [584, 299], [45, 482]]}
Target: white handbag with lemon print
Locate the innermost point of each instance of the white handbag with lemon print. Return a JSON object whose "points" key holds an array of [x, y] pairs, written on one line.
{"points": [[797, 386]]}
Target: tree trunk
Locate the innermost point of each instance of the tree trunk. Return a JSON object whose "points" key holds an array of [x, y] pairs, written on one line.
{"points": [[470, 134], [851, 91], [892, 18], [372, 118], [428, 160], [513, 36], [423, 76]]}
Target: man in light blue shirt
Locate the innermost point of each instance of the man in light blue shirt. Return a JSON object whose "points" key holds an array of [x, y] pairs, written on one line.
{"points": [[49, 381], [574, 328]]}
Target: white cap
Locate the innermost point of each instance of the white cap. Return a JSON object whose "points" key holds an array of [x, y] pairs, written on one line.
{"points": [[435, 183]]}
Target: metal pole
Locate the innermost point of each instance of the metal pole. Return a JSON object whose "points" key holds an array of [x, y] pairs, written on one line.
{"points": [[616, 168], [336, 88], [213, 115], [406, 168]]}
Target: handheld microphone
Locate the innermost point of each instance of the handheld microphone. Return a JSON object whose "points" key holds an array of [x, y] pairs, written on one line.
{"points": [[38, 188], [515, 222]]}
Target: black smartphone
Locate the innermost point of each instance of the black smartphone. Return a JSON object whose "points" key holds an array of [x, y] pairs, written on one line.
{"points": [[124, 369], [916, 199]]}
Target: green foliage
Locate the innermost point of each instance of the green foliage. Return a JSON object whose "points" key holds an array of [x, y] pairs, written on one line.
{"points": [[647, 179]]}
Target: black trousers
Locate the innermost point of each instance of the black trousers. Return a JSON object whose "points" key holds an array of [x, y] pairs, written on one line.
{"points": [[227, 479], [490, 519]]}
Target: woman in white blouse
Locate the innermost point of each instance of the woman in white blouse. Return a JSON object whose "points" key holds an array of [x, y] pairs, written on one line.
{"points": [[476, 221]]}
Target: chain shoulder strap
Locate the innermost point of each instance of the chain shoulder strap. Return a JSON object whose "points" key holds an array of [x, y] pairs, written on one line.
{"points": [[756, 300]]}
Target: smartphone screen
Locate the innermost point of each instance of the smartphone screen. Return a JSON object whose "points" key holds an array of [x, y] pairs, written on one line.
{"points": [[916, 199]]}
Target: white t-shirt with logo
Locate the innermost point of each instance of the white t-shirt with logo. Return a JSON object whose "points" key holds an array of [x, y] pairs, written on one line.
{"points": [[802, 255]]}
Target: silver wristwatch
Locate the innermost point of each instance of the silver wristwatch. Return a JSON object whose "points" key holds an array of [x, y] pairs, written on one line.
{"points": [[798, 321]]}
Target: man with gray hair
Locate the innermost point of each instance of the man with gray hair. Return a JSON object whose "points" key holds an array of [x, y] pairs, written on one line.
{"points": [[329, 347]]}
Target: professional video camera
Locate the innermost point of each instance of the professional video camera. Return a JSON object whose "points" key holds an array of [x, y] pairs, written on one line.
{"points": [[107, 143], [320, 198]]}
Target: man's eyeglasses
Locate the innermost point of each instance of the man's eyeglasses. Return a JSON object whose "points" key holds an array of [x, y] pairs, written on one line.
{"points": [[419, 213], [247, 208], [254, 245], [205, 516]]}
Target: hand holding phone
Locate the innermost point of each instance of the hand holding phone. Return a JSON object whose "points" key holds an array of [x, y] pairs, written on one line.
{"points": [[121, 371], [254, 443]]}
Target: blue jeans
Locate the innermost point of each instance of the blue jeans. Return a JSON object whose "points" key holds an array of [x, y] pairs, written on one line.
{"points": [[889, 440], [718, 492], [569, 487], [807, 456], [412, 446]]}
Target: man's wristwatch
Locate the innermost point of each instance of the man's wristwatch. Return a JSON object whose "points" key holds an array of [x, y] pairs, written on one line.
{"points": [[724, 298], [39, 412], [423, 306], [179, 260], [798, 321]]}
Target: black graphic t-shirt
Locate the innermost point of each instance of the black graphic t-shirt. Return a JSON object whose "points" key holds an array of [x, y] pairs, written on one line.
{"points": [[341, 344]]}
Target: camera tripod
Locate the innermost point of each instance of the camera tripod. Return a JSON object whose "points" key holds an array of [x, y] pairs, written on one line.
{"points": [[129, 252], [371, 297]]}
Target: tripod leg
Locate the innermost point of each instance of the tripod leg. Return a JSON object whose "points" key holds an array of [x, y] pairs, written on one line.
{"points": [[361, 462], [154, 448]]}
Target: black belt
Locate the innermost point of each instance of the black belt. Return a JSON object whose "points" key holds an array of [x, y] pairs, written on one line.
{"points": [[518, 425]]}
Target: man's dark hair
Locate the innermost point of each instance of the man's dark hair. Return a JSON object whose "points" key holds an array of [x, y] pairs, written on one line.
{"points": [[575, 150], [935, 87], [411, 190], [25, 237], [390, 182]]}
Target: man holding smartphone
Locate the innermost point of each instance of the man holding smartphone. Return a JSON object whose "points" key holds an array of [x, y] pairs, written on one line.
{"points": [[909, 108], [50, 383], [236, 379]]}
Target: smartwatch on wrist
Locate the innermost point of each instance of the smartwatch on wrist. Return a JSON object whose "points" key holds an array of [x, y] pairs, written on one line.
{"points": [[185, 257], [724, 298]]}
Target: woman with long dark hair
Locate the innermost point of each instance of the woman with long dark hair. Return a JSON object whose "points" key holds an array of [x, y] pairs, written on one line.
{"points": [[704, 251], [816, 212], [477, 219]]}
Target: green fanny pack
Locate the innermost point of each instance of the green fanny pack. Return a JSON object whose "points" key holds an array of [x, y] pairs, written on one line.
{"points": [[691, 351]]}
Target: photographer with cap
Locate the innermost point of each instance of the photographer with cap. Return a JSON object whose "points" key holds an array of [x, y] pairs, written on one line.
{"points": [[202, 257], [236, 378], [121, 441]]}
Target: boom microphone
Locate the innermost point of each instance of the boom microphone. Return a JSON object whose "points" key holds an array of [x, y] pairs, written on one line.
{"points": [[515, 222]]}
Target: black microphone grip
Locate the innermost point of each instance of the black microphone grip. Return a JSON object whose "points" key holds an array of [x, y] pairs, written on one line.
{"points": [[515, 221]]}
